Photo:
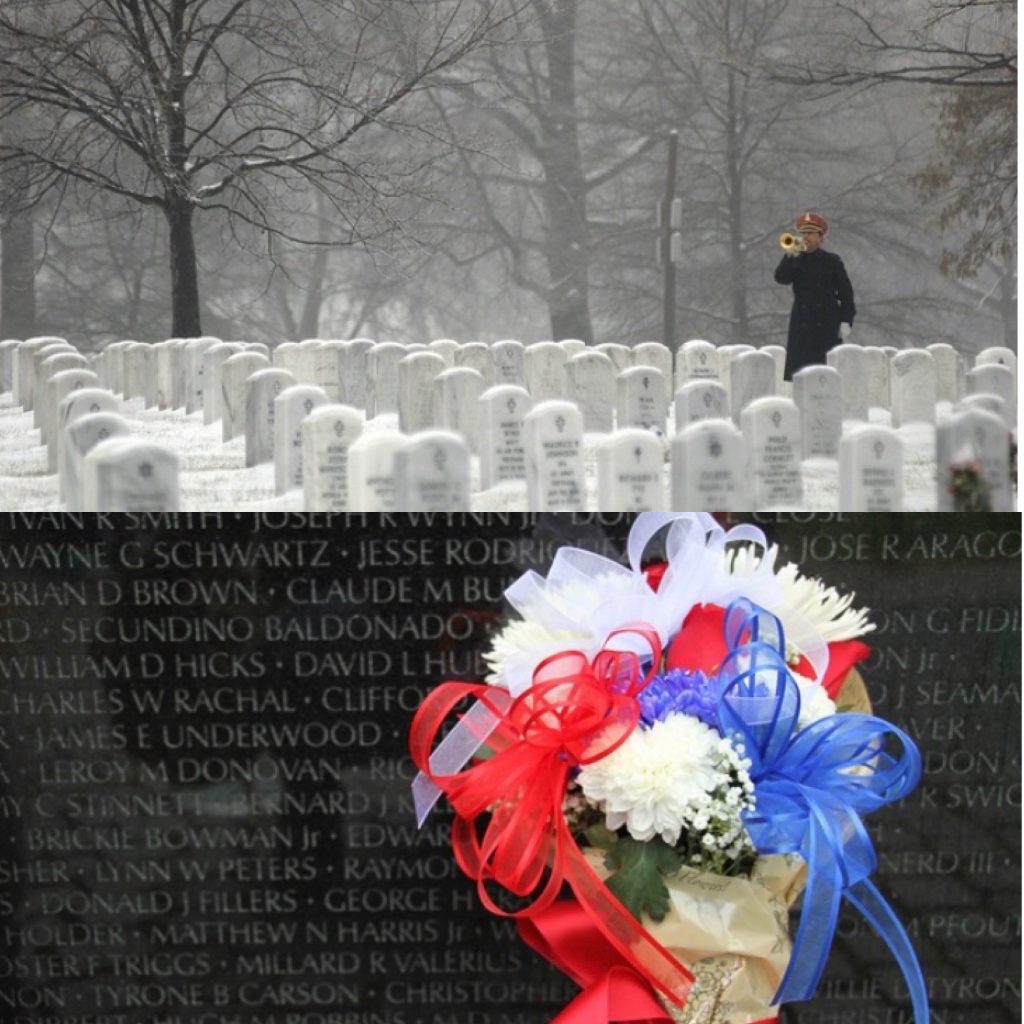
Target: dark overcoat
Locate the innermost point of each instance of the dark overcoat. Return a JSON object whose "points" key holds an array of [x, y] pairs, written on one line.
{"points": [[822, 299]]}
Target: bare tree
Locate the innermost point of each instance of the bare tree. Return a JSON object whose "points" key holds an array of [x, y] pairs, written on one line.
{"points": [[965, 50], [529, 186], [248, 107]]}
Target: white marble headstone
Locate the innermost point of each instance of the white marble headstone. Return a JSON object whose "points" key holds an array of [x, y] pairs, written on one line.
{"points": [[195, 371], [994, 379], [234, 372], [78, 403], [445, 348], [41, 369], [697, 360], [871, 470], [877, 378], [261, 391], [979, 439], [355, 382], [818, 394], [654, 353], [456, 396], [371, 472], [477, 356], [948, 371], [771, 436], [432, 473], [179, 384], [913, 385], [573, 346], [726, 355], [416, 373], [330, 356], [138, 361], [701, 399], [58, 387], [26, 366], [213, 365], [80, 436], [126, 474], [708, 470], [631, 472], [642, 399], [778, 353], [591, 379], [852, 363], [998, 354], [328, 433], [507, 362], [48, 368], [621, 355], [285, 356], [751, 376], [291, 407], [382, 375], [544, 370], [503, 409], [7, 347], [555, 481]]}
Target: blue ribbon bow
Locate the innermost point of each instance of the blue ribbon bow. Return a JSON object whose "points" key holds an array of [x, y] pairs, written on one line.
{"points": [[811, 787]]}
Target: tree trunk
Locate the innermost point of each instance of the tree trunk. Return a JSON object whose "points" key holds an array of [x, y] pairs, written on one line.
{"points": [[737, 254], [1008, 304], [18, 277], [565, 192], [184, 276], [309, 319]]}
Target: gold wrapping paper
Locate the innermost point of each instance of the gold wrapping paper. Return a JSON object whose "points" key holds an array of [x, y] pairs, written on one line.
{"points": [[733, 933]]}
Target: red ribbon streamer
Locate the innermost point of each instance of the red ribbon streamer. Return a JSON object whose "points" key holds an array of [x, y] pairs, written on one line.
{"points": [[576, 712], [566, 937]]}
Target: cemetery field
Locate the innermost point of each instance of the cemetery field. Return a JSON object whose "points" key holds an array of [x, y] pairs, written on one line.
{"points": [[213, 476]]}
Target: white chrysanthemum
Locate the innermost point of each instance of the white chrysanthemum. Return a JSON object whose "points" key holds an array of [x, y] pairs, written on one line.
{"points": [[661, 779], [529, 636], [522, 636], [822, 607]]}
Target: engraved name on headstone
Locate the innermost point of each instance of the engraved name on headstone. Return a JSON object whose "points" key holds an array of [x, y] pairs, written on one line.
{"points": [[818, 394], [701, 399], [553, 433], [871, 470], [328, 433], [631, 472], [503, 409], [708, 468]]}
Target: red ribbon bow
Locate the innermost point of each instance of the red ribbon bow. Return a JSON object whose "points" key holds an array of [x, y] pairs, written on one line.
{"points": [[576, 712]]}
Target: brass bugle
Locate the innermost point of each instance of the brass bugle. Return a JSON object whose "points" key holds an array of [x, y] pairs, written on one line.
{"points": [[791, 242]]}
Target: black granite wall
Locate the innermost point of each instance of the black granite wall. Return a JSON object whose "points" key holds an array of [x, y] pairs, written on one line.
{"points": [[204, 808]]}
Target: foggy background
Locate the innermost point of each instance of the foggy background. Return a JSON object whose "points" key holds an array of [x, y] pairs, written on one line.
{"points": [[269, 170]]}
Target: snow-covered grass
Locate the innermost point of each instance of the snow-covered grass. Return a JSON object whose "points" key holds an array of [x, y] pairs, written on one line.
{"points": [[213, 476]]}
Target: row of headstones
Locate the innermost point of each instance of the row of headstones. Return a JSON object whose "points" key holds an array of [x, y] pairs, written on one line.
{"points": [[715, 466], [641, 397], [428, 394], [378, 377]]}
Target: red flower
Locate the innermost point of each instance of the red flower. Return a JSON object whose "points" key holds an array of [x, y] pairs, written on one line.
{"points": [[700, 645]]}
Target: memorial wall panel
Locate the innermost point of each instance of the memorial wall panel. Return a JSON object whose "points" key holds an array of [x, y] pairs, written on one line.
{"points": [[205, 814]]}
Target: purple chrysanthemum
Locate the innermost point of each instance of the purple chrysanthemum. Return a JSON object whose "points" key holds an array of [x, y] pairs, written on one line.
{"points": [[679, 692]]}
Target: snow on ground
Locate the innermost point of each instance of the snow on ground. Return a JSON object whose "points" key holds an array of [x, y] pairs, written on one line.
{"points": [[213, 476]]}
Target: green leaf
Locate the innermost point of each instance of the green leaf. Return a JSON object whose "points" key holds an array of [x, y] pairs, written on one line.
{"points": [[636, 880], [601, 836]]}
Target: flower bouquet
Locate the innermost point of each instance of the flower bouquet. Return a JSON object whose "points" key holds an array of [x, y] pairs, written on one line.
{"points": [[662, 760]]}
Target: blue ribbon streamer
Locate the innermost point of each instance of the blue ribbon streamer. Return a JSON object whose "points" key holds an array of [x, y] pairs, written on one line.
{"points": [[811, 787]]}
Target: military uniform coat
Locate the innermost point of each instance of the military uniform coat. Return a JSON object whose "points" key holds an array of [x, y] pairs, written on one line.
{"points": [[822, 299]]}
